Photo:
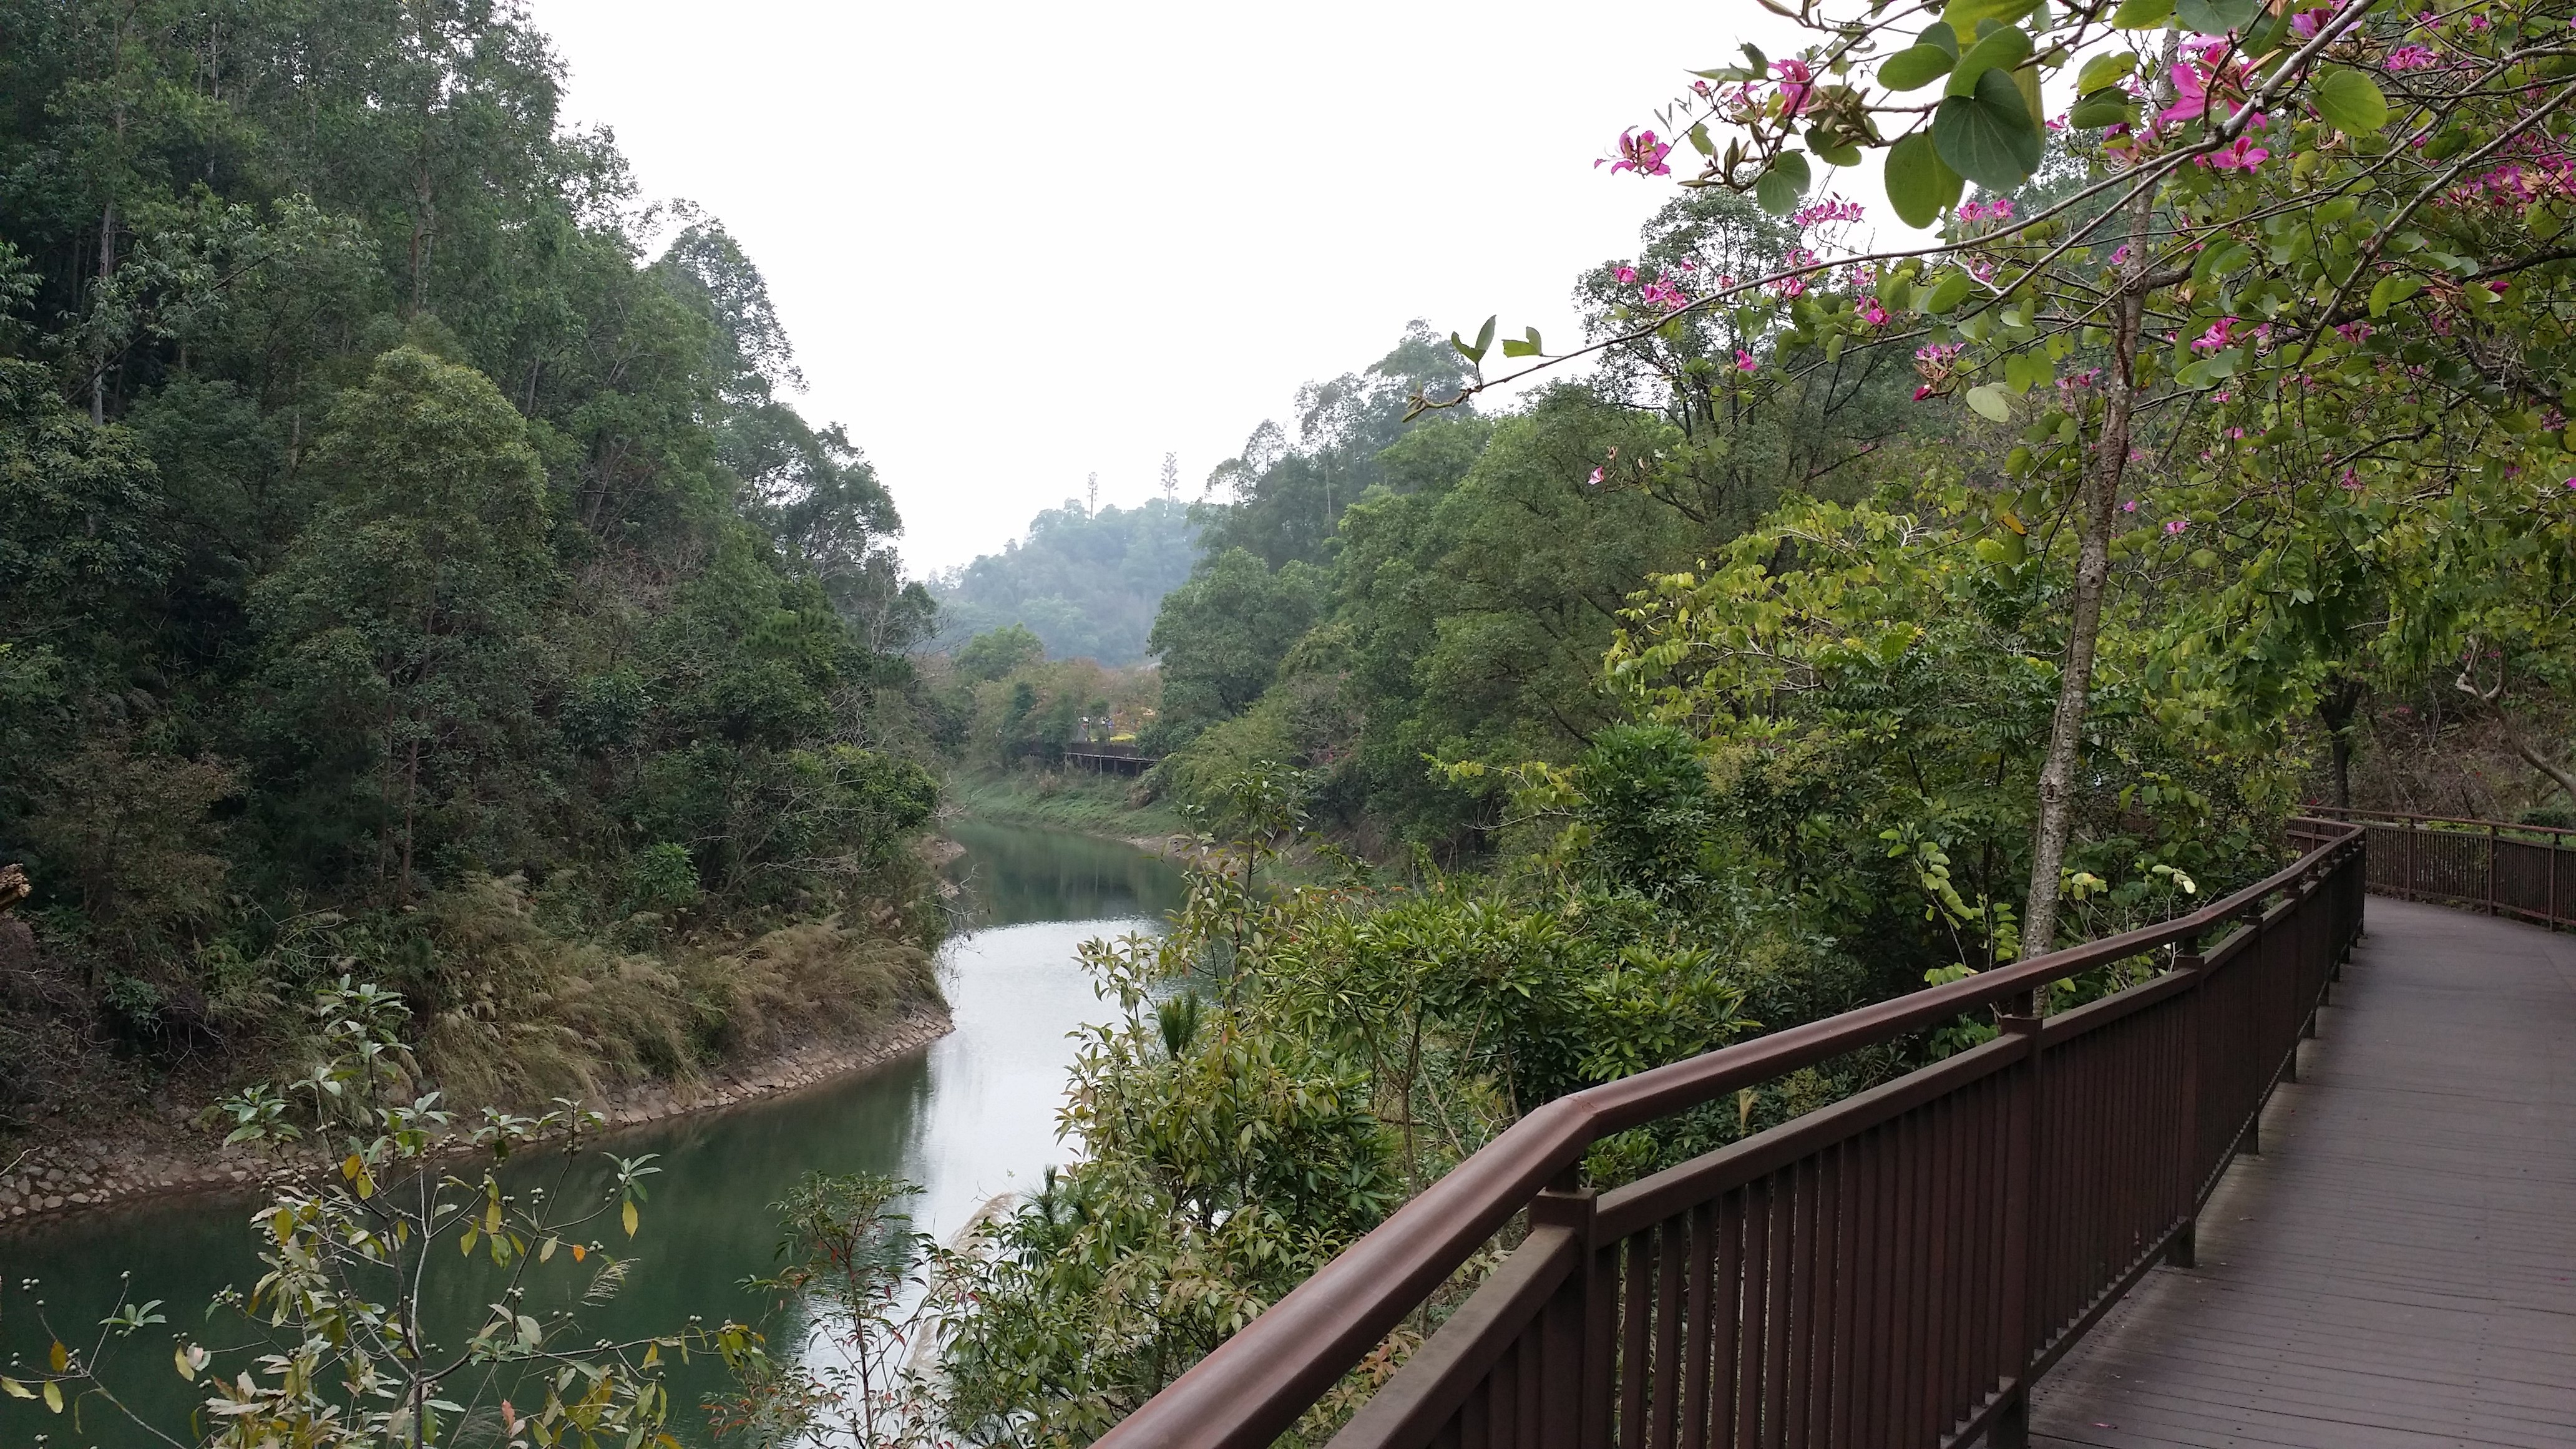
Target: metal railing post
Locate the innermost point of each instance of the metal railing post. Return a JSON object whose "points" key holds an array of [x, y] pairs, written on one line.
{"points": [[2493, 840], [2020, 1018], [2184, 1252], [1576, 1328]]}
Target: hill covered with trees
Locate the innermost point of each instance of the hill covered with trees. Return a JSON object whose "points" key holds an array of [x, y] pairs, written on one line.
{"points": [[410, 562], [1086, 580]]}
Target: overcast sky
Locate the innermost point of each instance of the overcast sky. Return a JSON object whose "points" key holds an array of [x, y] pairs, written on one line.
{"points": [[1017, 244]]}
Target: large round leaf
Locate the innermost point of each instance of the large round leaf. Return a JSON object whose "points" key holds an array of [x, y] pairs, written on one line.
{"points": [[2216, 17], [2004, 47], [1781, 186], [1920, 185], [1990, 137], [2350, 102], [1914, 68]]}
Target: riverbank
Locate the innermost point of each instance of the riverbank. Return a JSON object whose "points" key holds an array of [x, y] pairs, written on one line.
{"points": [[1101, 805], [168, 1155]]}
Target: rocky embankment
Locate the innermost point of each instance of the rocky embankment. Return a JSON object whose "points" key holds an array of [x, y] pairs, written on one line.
{"points": [[153, 1157]]}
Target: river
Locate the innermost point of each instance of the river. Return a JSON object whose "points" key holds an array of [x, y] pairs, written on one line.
{"points": [[968, 1117]]}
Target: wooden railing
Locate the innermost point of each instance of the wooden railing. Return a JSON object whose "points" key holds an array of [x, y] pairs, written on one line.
{"points": [[1895, 1269], [2524, 871]]}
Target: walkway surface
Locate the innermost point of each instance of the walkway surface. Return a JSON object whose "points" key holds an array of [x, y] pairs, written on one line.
{"points": [[2398, 1268]]}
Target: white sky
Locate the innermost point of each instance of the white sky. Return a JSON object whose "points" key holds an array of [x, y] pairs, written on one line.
{"points": [[1019, 243]]}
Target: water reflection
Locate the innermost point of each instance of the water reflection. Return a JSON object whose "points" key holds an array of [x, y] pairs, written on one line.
{"points": [[971, 1116]]}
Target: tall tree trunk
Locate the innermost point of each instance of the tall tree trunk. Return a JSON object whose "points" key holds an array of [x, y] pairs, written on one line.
{"points": [[2335, 710], [106, 269], [2097, 505]]}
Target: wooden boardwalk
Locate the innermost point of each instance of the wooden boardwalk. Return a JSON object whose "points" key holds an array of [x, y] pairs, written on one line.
{"points": [[2399, 1267]]}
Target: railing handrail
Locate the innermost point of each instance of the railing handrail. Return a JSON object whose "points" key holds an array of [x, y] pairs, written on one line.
{"points": [[1255, 1385], [2367, 813]]}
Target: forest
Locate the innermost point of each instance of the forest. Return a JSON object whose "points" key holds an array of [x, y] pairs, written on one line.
{"points": [[412, 570], [410, 562]]}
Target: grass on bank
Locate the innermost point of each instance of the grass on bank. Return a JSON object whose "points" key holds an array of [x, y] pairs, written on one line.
{"points": [[1065, 799]]}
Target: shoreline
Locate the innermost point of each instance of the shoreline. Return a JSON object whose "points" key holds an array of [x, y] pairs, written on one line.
{"points": [[147, 1159]]}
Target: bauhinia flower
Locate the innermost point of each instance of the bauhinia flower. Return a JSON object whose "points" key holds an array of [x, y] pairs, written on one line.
{"points": [[1796, 81], [1744, 361], [2216, 337], [1640, 152]]}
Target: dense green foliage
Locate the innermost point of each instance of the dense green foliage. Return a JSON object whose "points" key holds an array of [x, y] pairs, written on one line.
{"points": [[1465, 596], [1085, 581], [401, 559]]}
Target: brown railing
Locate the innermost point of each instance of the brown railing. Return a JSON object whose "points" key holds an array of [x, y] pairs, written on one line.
{"points": [[1892, 1270], [2524, 871]]}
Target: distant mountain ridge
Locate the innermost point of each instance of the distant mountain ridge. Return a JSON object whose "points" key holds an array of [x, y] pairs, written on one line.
{"points": [[1086, 582]]}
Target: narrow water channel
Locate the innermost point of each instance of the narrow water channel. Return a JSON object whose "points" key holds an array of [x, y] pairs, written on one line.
{"points": [[969, 1117]]}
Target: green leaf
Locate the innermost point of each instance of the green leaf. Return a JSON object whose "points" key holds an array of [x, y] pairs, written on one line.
{"points": [[1965, 15], [15, 1389], [2392, 290], [1474, 351], [2142, 14], [1915, 68], [1990, 137], [2222, 260], [1990, 403], [2003, 48], [1782, 185], [1920, 185], [2350, 102], [2216, 17], [1949, 292], [1527, 346], [2026, 370], [2103, 108], [627, 1217], [2106, 69], [1845, 154]]}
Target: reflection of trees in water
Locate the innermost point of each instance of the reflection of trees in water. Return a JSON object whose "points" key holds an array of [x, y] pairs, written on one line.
{"points": [[1012, 874]]}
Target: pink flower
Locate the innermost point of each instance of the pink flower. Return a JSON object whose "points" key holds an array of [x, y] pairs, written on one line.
{"points": [[1873, 313], [1744, 361], [1795, 82], [2307, 23], [2571, 485], [2131, 506], [1925, 391], [2410, 57], [1595, 479], [2241, 154], [2191, 94], [2174, 526], [2216, 337], [2350, 480], [1627, 275], [1831, 209], [2120, 254], [1640, 152]]}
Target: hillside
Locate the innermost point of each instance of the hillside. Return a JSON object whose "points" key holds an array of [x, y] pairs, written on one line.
{"points": [[409, 564], [1086, 582]]}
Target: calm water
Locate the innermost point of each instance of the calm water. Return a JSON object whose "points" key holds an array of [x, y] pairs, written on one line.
{"points": [[969, 1117]]}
